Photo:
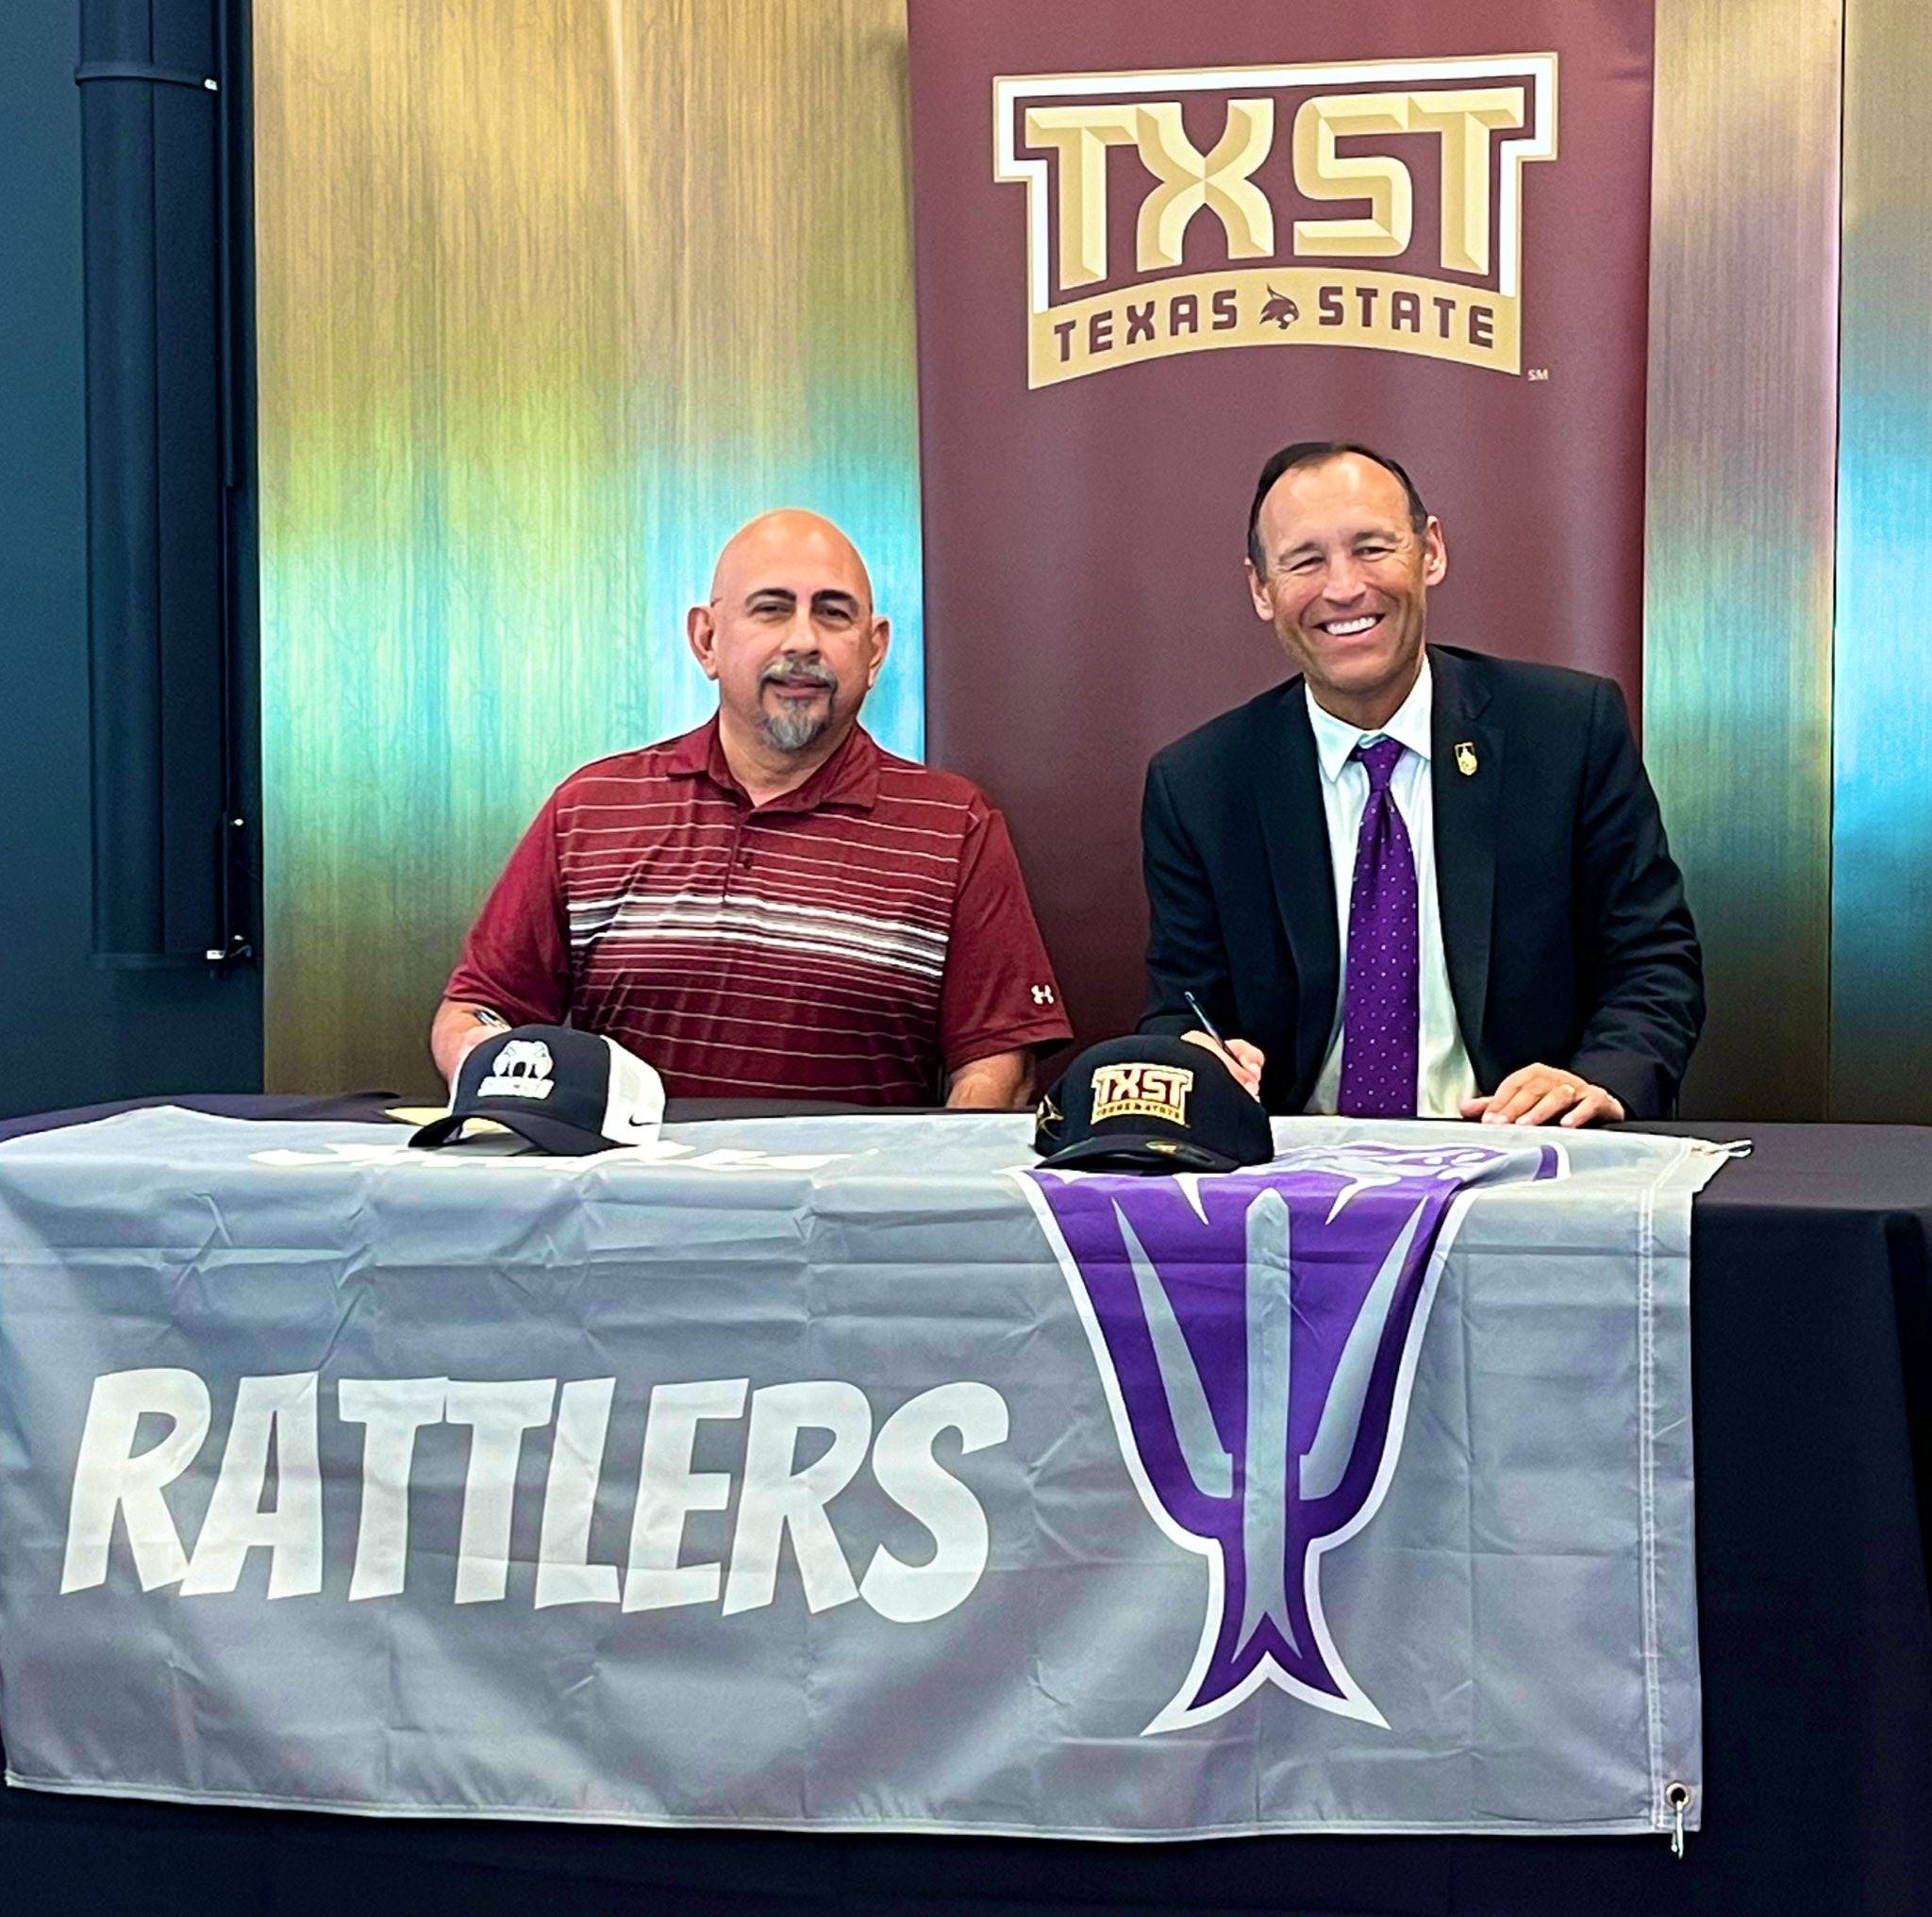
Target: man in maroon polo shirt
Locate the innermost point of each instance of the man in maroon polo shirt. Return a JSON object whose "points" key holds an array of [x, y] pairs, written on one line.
{"points": [[772, 906]]}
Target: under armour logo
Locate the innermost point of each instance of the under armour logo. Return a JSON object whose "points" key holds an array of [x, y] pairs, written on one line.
{"points": [[1043, 994]]}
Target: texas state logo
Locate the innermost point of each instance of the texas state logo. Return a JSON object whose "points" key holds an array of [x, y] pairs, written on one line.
{"points": [[1257, 1334], [1369, 203]]}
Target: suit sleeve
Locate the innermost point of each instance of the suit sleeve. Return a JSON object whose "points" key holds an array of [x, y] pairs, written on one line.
{"points": [[1640, 959], [1185, 947]]}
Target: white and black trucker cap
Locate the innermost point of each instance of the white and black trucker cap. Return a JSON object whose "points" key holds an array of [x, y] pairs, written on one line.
{"points": [[564, 1090]]}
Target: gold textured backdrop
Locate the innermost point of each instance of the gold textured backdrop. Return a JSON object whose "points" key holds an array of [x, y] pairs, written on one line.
{"points": [[1740, 525], [552, 295]]}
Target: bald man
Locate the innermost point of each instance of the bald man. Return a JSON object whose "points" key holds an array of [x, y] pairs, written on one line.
{"points": [[771, 907]]}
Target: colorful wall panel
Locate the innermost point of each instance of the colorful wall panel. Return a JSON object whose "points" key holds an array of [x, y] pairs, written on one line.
{"points": [[552, 297]]}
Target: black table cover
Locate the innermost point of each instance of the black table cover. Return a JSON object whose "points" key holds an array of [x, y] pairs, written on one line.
{"points": [[1811, 1315]]}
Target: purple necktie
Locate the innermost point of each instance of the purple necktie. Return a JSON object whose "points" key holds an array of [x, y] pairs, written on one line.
{"points": [[1381, 1010]]}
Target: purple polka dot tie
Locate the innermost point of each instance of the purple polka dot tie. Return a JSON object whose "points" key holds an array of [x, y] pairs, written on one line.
{"points": [[1381, 1011]]}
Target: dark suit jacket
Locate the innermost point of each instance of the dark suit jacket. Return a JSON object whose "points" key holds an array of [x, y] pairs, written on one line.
{"points": [[1564, 924]]}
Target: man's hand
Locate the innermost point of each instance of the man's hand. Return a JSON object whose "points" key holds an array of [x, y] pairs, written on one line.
{"points": [[1004, 1082], [458, 1028], [468, 1042], [1539, 1094], [1244, 1060]]}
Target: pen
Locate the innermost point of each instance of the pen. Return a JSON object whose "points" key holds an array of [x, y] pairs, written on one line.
{"points": [[1207, 1023], [1245, 1074]]}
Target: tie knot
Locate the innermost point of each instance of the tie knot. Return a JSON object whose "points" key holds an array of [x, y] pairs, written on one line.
{"points": [[1378, 758]]}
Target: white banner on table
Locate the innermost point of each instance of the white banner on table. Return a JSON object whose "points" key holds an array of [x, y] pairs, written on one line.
{"points": [[850, 1473]]}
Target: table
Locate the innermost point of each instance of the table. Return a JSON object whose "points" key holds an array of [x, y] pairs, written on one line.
{"points": [[1812, 1329]]}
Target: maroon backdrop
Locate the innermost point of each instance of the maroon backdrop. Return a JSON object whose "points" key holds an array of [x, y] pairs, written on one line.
{"points": [[1086, 494]]}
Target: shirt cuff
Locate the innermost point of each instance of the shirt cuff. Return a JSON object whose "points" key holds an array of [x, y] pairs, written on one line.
{"points": [[1036, 1035]]}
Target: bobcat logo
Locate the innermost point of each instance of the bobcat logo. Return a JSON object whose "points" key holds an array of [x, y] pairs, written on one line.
{"points": [[1281, 309], [521, 1069]]}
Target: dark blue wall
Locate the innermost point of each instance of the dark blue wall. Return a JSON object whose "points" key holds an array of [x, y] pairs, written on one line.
{"points": [[77, 1033]]}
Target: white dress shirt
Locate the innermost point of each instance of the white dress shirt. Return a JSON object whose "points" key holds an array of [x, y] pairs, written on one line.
{"points": [[1444, 1078]]}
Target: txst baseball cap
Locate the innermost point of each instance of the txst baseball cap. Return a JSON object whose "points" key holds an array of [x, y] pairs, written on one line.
{"points": [[1151, 1105], [565, 1091]]}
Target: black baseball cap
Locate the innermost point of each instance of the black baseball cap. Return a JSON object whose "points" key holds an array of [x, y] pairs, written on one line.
{"points": [[1151, 1105], [564, 1090]]}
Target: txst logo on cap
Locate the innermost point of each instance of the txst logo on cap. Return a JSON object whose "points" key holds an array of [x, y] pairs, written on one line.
{"points": [[563, 1090], [1142, 1090]]}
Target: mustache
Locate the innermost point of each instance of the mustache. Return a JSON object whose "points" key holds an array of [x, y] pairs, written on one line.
{"points": [[798, 673]]}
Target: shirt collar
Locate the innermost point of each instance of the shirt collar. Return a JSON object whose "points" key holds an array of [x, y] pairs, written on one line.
{"points": [[1336, 739], [849, 777]]}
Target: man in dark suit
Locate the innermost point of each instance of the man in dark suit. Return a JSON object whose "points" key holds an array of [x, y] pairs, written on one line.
{"points": [[1413, 881]]}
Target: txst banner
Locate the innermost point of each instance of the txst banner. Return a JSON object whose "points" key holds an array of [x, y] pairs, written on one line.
{"points": [[1155, 244], [1486, 117], [851, 1472]]}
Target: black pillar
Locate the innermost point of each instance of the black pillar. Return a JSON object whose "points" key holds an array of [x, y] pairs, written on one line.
{"points": [[169, 481]]}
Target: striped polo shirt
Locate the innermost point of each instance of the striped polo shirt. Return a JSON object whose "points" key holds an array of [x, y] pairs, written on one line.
{"points": [[856, 938]]}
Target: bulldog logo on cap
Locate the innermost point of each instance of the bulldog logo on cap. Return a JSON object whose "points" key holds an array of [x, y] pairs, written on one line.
{"points": [[523, 1070]]}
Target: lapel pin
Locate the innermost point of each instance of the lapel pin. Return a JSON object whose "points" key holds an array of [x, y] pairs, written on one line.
{"points": [[1465, 759]]}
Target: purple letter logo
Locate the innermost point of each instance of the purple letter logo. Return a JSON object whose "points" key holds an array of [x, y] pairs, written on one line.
{"points": [[1258, 1335]]}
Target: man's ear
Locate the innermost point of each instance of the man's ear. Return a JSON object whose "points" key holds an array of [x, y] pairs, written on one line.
{"points": [[701, 629], [881, 642], [1435, 553], [1258, 591]]}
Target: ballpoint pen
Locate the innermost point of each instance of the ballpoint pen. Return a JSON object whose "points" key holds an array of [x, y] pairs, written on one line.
{"points": [[1207, 1023]]}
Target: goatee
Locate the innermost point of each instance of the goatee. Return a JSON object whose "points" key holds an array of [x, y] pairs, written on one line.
{"points": [[795, 725]]}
